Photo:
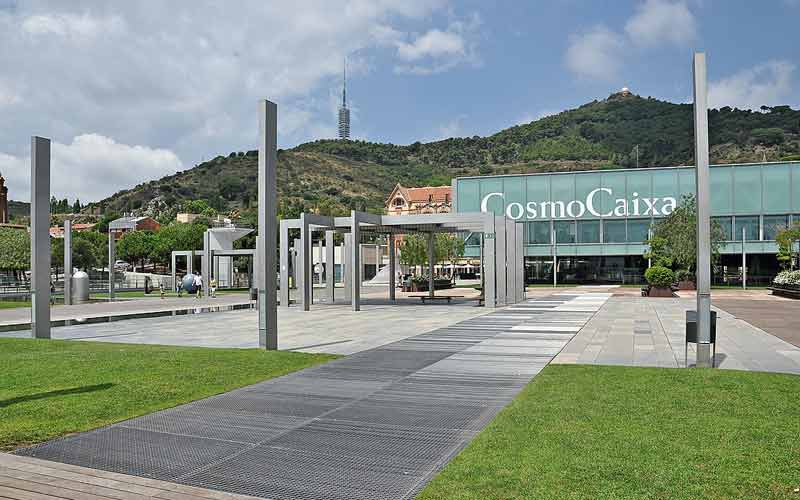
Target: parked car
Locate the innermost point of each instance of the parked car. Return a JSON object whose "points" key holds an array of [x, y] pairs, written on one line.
{"points": [[121, 265]]}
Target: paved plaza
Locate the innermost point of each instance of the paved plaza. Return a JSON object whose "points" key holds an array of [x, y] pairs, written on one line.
{"points": [[374, 425], [643, 331]]}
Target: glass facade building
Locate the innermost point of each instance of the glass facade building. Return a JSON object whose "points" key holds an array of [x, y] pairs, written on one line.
{"points": [[600, 219]]}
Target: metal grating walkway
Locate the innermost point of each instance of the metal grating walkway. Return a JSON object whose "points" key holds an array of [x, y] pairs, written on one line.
{"points": [[374, 425]]}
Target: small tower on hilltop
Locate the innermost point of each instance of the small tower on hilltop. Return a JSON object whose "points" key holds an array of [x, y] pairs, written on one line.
{"points": [[344, 112], [625, 92], [3, 201]]}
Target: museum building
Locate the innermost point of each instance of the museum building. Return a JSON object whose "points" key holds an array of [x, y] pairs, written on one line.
{"points": [[601, 218]]}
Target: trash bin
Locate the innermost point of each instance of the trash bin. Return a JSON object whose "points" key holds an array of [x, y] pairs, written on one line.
{"points": [[691, 334]]}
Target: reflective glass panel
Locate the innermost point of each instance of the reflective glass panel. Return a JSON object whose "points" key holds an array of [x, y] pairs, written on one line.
{"points": [[726, 225], [638, 230], [589, 231], [565, 231], [539, 233], [614, 231], [773, 224], [750, 226]]}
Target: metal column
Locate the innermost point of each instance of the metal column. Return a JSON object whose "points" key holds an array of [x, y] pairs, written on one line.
{"points": [[489, 257], [205, 266], [304, 282], [112, 257], [40, 238], [500, 259], [431, 263], [321, 253], [511, 262], [346, 265], [744, 260], [284, 264], [267, 227], [519, 266], [67, 262], [355, 261], [392, 270], [330, 265], [555, 261], [703, 211]]}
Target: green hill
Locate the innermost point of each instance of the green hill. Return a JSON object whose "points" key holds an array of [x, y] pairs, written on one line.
{"points": [[332, 176]]}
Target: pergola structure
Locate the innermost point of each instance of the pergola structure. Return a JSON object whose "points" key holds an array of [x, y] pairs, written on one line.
{"points": [[501, 251]]}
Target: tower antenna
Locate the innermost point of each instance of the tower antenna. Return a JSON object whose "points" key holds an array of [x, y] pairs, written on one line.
{"points": [[344, 112]]}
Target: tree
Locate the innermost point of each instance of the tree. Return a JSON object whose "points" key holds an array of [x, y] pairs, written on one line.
{"points": [[449, 247], [136, 245], [787, 239], [76, 207], [84, 254], [176, 237], [16, 249], [414, 250], [674, 238]]}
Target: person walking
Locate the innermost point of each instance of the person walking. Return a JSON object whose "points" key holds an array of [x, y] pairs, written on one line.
{"points": [[198, 283], [161, 289], [213, 284]]}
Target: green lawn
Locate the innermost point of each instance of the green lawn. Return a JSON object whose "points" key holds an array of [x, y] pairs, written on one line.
{"points": [[12, 304], [49, 388], [599, 432]]}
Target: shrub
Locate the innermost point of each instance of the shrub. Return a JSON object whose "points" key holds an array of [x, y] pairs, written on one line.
{"points": [[791, 278], [659, 277], [683, 275]]}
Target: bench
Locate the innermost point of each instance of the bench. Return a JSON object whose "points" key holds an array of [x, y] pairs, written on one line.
{"points": [[448, 298]]}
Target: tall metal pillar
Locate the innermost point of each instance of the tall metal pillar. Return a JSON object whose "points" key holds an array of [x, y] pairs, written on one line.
{"points": [[267, 227], [703, 211], [555, 261], [205, 267], [431, 264], [304, 282], [173, 270], [511, 262], [519, 266], [392, 268], [310, 266], [355, 261], [67, 262], [284, 263], [500, 259], [346, 265], [294, 253], [321, 259], [744, 260], [489, 257], [40, 237], [330, 265], [112, 258]]}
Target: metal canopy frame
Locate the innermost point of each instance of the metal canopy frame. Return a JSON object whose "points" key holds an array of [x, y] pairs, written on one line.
{"points": [[501, 241]]}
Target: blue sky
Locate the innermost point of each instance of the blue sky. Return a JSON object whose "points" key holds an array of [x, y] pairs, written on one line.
{"points": [[132, 91]]}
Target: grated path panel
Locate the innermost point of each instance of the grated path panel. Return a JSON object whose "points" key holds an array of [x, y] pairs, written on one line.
{"points": [[374, 425]]}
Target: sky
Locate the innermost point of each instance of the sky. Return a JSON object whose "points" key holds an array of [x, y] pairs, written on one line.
{"points": [[132, 91]]}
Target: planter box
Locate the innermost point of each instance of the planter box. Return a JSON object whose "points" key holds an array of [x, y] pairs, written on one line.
{"points": [[788, 291], [687, 285], [660, 292]]}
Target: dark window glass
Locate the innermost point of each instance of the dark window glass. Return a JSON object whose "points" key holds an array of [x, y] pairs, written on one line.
{"points": [[474, 239], [539, 233], [750, 226], [565, 231], [773, 224], [614, 231], [726, 224], [638, 230], [588, 231]]}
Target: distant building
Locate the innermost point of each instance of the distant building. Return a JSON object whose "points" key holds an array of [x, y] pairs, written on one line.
{"points": [[3, 201], [344, 112], [422, 200], [185, 218], [129, 223], [58, 231]]}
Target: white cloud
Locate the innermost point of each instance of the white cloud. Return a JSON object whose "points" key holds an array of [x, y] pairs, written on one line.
{"points": [[596, 54], [437, 50], [453, 128], [762, 85], [661, 21], [91, 167], [186, 75]]}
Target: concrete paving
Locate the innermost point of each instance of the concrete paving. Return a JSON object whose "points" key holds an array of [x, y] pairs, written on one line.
{"points": [[375, 425], [642, 331]]}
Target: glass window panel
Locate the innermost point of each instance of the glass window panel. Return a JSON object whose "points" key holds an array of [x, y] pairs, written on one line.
{"points": [[614, 231], [638, 230], [468, 197], [747, 190], [585, 184], [796, 186], [538, 190], [474, 239], [539, 233], [565, 231], [777, 189], [515, 190], [588, 231], [665, 183], [495, 204], [639, 183], [563, 188], [721, 190], [750, 226], [726, 224], [773, 224], [687, 181], [615, 181]]}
